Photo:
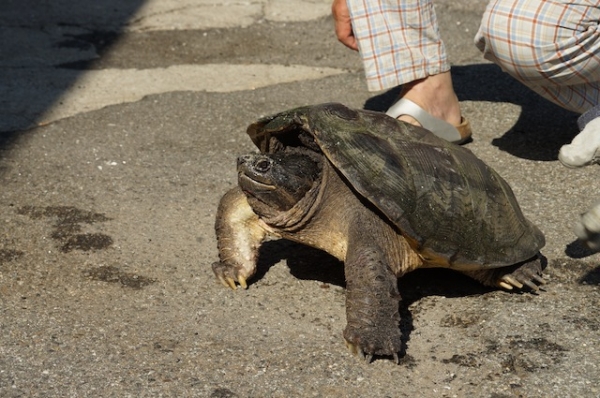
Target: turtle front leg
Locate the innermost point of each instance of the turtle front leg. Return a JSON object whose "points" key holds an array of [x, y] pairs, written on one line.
{"points": [[372, 301], [239, 236]]}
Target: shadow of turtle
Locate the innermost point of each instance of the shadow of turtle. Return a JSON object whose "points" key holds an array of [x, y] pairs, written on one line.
{"points": [[307, 263]]}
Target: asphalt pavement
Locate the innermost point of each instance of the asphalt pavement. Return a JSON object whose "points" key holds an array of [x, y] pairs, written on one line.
{"points": [[120, 123]]}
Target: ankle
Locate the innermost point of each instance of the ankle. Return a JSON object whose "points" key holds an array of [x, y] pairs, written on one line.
{"points": [[436, 95]]}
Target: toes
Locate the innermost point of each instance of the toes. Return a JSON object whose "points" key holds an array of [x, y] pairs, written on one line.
{"points": [[225, 282], [539, 279], [366, 352], [229, 275], [366, 356], [529, 277], [526, 276], [508, 279], [505, 285], [531, 285], [231, 283], [355, 349]]}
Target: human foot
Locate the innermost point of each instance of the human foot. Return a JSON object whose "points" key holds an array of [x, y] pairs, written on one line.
{"points": [[435, 94], [582, 151], [408, 111], [585, 147], [432, 104]]}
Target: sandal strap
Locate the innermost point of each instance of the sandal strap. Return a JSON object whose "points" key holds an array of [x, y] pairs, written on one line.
{"points": [[439, 127]]}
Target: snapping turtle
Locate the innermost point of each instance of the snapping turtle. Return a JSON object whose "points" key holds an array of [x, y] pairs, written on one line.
{"points": [[383, 196]]}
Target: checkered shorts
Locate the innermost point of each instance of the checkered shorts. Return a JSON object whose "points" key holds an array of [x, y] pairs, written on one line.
{"points": [[398, 40], [552, 46]]}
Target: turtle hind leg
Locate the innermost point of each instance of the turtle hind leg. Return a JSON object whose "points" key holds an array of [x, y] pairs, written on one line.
{"points": [[526, 275]]}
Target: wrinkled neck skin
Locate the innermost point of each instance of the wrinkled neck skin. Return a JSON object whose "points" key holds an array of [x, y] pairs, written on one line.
{"points": [[300, 214], [332, 217]]}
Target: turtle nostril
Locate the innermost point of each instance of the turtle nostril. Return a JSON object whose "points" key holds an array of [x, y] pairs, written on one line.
{"points": [[243, 159], [262, 165]]}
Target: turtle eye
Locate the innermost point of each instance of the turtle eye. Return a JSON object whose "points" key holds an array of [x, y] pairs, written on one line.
{"points": [[262, 165]]}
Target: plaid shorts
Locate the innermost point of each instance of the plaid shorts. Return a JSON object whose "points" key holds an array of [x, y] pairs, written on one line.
{"points": [[398, 40], [552, 46]]}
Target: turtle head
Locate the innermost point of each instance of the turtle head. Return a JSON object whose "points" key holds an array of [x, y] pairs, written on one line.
{"points": [[278, 180]]}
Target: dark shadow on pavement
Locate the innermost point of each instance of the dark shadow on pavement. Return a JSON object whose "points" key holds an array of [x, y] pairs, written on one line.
{"points": [[542, 127], [307, 263], [591, 278], [577, 249], [574, 269], [45, 46]]}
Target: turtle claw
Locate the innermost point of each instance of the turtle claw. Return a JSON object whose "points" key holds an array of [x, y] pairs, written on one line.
{"points": [[532, 286], [231, 283], [539, 279], [510, 281], [524, 276], [532, 280], [225, 282], [229, 276], [354, 349], [505, 285]]}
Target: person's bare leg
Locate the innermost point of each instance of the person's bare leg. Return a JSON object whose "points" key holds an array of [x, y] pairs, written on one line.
{"points": [[436, 95]]}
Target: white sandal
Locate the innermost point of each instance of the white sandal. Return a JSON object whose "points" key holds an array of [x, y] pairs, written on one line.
{"points": [[456, 134]]}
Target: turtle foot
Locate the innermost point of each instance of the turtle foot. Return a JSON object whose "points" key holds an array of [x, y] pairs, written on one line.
{"points": [[522, 276], [527, 275], [376, 342], [367, 357], [228, 275]]}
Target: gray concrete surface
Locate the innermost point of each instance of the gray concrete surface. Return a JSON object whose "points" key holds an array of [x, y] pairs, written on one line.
{"points": [[120, 122]]}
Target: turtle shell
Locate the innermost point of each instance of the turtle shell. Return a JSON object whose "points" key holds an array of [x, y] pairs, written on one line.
{"points": [[453, 208]]}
